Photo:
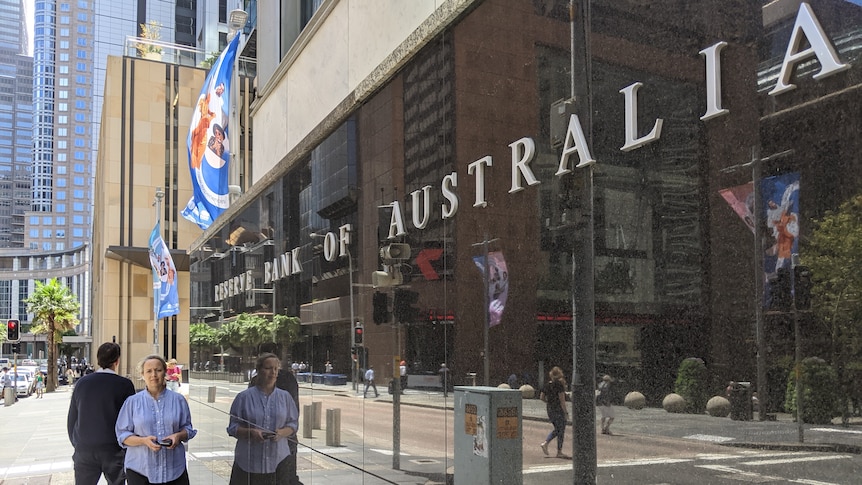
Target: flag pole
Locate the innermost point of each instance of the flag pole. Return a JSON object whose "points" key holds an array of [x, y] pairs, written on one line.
{"points": [[160, 194]]}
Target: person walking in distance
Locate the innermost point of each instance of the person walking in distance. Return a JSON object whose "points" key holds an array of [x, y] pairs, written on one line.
{"points": [[369, 381], [603, 400], [93, 410], [554, 395]]}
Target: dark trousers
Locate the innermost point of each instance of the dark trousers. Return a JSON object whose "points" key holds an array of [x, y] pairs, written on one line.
{"points": [[370, 384], [285, 474], [91, 464], [135, 478], [558, 419]]}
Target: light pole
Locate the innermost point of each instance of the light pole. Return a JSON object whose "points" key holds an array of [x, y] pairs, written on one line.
{"points": [[160, 194]]}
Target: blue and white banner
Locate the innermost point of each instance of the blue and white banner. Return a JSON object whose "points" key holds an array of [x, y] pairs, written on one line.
{"points": [[497, 283], [166, 300], [209, 152], [780, 214]]}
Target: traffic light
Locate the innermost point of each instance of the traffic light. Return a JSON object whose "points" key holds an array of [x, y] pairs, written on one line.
{"points": [[380, 302], [802, 287], [395, 252], [780, 291], [13, 328], [358, 332], [403, 307]]}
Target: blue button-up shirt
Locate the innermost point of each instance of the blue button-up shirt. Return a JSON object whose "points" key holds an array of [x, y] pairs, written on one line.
{"points": [[254, 409], [144, 416]]}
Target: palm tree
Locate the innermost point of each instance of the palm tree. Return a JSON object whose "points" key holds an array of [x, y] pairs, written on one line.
{"points": [[55, 311]]}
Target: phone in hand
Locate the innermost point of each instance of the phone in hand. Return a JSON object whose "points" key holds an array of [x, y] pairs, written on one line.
{"points": [[166, 442], [268, 435]]}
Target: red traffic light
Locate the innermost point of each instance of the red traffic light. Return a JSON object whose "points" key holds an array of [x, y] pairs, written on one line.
{"points": [[357, 334], [13, 330]]}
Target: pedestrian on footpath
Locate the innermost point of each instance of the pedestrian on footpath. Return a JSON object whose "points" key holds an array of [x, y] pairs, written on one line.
{"points": [[369, 381], [152, 426], [554, 395], [40, 385], [263, 418], [95, 404], [603, 401]]}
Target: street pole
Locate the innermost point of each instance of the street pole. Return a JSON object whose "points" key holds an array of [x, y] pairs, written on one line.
{"points": [[760, 335], [797, 336], [353, 364], [585, 461], [759, 332], [160, 194], [485, 332]]}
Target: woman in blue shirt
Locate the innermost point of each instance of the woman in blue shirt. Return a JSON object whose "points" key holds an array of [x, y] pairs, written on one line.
{"points": [[263, 418], [152, 426]]}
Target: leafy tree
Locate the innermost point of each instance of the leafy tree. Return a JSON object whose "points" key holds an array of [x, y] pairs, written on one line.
{"points": [[833, 254], [202, 335], [254, 329], [286, 329], [55, 310]]}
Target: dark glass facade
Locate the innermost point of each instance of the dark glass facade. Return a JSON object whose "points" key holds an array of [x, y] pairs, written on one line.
{"points": [[677, 272]]}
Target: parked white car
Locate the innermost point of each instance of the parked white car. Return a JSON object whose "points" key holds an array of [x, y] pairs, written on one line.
{"points": [[24, 386]]}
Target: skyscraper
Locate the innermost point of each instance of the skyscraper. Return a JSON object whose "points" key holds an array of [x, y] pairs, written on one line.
{"points": [[16, 123]]}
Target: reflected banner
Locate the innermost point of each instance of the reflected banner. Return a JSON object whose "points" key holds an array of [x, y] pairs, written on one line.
{"points": [[780, 217], [497, 284], [166, 300], [209, 151], [741, 200]]}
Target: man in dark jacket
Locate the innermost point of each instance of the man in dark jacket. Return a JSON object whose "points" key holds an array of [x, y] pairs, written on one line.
{"points": [[96, 402]]}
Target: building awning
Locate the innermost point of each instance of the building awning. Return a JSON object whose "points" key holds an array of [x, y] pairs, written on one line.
{"points": [[141, 256], [332, 310]]}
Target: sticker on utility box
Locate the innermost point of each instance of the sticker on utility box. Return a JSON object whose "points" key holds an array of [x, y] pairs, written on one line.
{"points": [[507, 423]]}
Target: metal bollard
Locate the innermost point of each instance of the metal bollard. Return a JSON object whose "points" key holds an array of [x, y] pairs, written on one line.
{"points": [[316, 414], [211, 391], [333, 427], [307, 420]]}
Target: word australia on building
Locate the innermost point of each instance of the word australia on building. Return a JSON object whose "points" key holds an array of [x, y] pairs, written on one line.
{"points": [[806, 27]]}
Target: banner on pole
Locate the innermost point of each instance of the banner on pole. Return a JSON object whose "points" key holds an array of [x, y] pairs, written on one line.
{"points": [[498, 284], [166, 301], [209, 151], [780, 216]]}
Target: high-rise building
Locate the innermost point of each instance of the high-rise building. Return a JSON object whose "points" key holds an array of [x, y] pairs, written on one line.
{"points": [[16, 123]]}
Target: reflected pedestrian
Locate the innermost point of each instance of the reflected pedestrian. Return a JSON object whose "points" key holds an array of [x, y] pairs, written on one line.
{"points": [[603, 400], [554, 395], [369, 382], [263, 419], [444, 378]]}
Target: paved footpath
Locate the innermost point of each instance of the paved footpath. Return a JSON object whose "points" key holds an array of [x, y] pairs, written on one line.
{"points": [[34, 447]]}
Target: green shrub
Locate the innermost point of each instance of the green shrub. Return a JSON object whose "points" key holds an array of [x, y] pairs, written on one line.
{"points": [[820, 392], [692, 384]]}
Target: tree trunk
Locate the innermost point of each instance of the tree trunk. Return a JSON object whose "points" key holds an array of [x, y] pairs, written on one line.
{"points": [[51, 379]]}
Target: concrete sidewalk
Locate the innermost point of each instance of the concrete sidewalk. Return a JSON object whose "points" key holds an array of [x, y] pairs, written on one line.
{"points": [[35, 448]]}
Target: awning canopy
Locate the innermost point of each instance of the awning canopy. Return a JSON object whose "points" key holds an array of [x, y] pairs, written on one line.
{"points": [[141, 256], [332, 310]]}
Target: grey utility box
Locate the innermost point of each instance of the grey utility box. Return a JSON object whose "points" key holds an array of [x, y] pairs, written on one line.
{"points": [[488, 431]]}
